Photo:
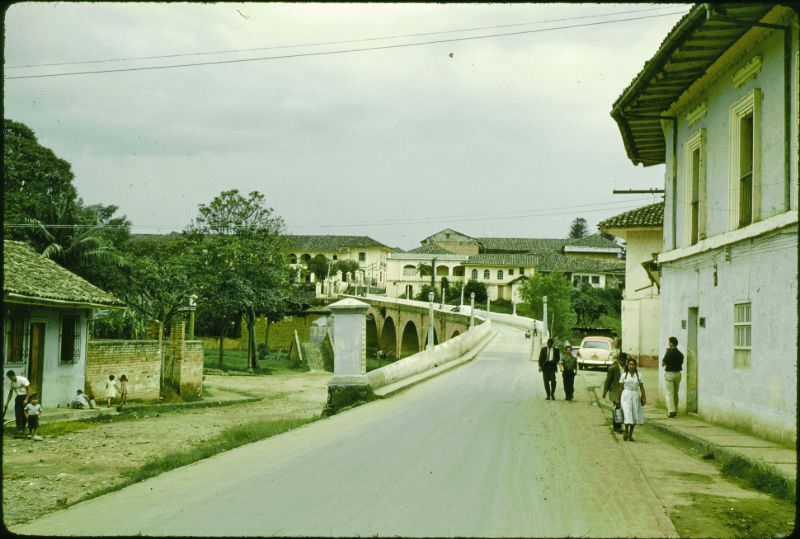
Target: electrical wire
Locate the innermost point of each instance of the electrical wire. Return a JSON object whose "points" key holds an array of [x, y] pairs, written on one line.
{"points": [[324, 43], [340, 51]]}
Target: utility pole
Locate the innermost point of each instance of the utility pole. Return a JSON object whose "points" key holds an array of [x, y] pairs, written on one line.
{"points": [[430, 319], [471, 309], [545, 332]]}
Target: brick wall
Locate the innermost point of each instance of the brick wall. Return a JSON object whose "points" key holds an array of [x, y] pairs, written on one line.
{"points": [[280, 333], [183, 361], [138, 360]]}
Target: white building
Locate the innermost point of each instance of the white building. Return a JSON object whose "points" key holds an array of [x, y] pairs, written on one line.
{"points": [[718, 105], [369, 253], [408, 272], [642, 230]]}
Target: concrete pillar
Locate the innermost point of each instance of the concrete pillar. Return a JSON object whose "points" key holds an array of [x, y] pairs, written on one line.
{"points": [[349, 383]]}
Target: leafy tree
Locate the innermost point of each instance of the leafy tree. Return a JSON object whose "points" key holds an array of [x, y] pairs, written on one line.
{"points": [[319, 266], [578, 228], [34, 178], [475, 286], [243, 241], [344, 266], [587, 304], [425, 290], [559, 292]]}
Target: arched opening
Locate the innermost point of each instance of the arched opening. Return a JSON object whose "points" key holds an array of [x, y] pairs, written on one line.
{"points": [[388, 339], [425, 270], [455, 334], [292, 258], [442, 271], [458, 271], [373, 344], [409, 291], [474, 275], [304, 258], [486, 275], [409, 344], [409, 270]]}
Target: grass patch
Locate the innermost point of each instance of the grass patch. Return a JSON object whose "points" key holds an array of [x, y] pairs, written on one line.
{"points": [[61, 428], [758, 478], [229, 438], [236, 361]]}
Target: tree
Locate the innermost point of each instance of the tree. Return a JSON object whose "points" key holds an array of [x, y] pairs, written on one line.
{"points": [[587, 305], [475, 286], [578, 228], [319, 266], [344, 266], [559, 308], [35, 179], [243, 242]]}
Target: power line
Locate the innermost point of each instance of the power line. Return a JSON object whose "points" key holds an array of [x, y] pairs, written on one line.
{"points": [[341, 51], [324, 43]]}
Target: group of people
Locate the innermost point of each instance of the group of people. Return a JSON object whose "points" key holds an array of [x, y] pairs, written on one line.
{"points": [[27, 408], [623, 384], [116, 388]]}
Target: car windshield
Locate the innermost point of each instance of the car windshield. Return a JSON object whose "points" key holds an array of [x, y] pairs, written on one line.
{"points": [[603, 345]]}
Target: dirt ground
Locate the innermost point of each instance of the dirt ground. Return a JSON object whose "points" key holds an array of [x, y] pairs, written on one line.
{"points": [[42, 476]]}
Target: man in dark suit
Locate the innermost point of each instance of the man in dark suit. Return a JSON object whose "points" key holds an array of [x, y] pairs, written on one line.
{"points": [[548, 363]]}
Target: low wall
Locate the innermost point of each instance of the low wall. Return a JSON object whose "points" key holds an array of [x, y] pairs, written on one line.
{"points": [[427, 359], [140, 361]]}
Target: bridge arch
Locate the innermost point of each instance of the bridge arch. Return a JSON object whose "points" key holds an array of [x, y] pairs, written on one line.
{"points": [[372, 336], [409, 341], [388, 338], [455, 334]]}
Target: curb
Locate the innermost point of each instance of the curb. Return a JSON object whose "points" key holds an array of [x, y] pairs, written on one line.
{"points": [[768, 476], [383, 392]]}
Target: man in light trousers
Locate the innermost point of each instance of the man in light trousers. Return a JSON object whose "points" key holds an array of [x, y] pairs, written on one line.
{"points": [[673, 364]]}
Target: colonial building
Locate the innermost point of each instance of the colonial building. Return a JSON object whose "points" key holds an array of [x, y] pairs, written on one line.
{"points": [[369, 253], [718, 105], [46, 310], [408, 272], [642, 231]]}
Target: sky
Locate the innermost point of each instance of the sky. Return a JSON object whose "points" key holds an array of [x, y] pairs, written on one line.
{"points": [[444, 123]]}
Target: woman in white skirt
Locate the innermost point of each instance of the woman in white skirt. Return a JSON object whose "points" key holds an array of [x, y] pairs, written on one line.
{"points": [[632, 398]]}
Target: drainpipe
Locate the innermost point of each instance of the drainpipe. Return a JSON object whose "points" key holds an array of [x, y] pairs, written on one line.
{"points": [[713, 12]]}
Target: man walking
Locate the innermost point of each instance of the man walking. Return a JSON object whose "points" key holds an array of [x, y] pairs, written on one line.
{"points": [[568, 366], [20, 389], [548, 362], [673, 364], [611, 388]]}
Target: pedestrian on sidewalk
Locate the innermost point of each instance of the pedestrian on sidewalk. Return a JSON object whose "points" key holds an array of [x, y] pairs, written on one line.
{"points": [[632, 398], [568, 365], [111, 390], [21, 389], [673, 364], [123, 390], [610, 388], [548, 363], [32, 412]]}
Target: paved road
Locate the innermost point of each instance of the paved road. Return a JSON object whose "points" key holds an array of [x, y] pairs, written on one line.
{"points": [[474, 452]]}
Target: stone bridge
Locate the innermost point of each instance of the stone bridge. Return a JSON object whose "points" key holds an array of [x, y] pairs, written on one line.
{"points": [[400, 327]]}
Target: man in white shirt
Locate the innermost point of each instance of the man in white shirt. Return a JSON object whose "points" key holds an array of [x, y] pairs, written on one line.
{"points": [[21, 388]]}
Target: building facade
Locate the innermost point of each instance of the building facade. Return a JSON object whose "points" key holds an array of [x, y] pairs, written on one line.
{"points": [[367, 252], [718, 105]]}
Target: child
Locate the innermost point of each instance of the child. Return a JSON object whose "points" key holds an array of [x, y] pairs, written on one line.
{"points": [[32, 412], [111, 389], [123, 389]]}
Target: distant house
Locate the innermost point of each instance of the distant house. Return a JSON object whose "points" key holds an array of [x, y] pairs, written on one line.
{"points": [[46, 310], [718, 105], [409, 271], [642, 230], [369, 253]]}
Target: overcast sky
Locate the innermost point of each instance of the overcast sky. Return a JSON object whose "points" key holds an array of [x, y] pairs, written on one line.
{"points": [[500, 136]]}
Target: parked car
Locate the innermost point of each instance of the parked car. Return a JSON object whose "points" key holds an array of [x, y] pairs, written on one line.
{"points": [[596, 351]]}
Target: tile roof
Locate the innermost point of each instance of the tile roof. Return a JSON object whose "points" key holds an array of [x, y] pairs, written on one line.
{"points": [[431, 249], [519, 245], [29, 275], [330, 243], [684, 56], [595, 240], [502, 259], [549, 261], [646, 216]]}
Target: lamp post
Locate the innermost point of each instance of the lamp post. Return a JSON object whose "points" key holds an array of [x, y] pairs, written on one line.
{"points": [[462, 296], [471, 309], [545, 333], [488, 304], [430, 319], [533, 342], [192, 309]]}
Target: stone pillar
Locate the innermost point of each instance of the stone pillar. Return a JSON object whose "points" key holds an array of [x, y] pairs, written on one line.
{"points": [[349, 384]]}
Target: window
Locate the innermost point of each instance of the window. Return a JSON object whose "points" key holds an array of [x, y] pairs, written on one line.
{"points": [[522, 271], [595, 279], [486, 275], [336, 257], [362, 257], [70, 340], [499, 275], [745, 183], [741, 335], [16, 350], [474, 275], [695, 188], [511, 272], [409, 270]]}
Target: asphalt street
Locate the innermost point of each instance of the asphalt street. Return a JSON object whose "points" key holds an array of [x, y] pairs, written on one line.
{"points": [[477, 451]]}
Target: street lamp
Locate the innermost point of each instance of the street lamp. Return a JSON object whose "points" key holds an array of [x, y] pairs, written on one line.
{"points": [[545, 333], [430, 319], [471, 309]]}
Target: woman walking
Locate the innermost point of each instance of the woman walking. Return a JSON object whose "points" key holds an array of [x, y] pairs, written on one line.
{"points": [[632, 398]]}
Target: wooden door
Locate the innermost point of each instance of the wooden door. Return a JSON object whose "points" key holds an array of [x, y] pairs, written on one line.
{"points": [[36, 364]]}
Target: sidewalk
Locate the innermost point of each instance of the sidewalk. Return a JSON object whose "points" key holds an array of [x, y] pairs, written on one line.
{"points": [[768, 466]]}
